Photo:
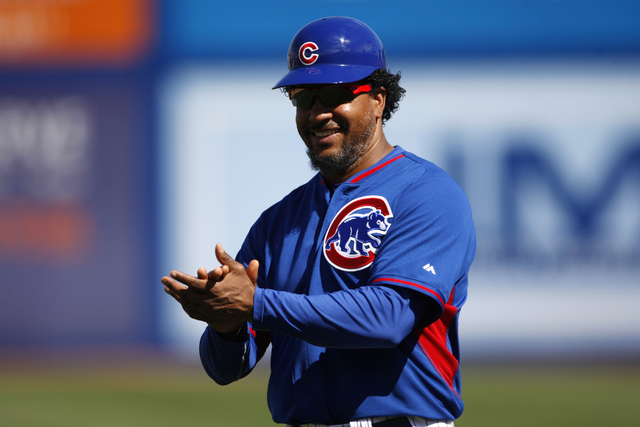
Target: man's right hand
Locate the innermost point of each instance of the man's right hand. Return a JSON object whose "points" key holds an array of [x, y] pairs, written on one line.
{"points": [[223, 297]]}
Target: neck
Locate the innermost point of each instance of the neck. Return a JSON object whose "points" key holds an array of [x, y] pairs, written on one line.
{"points": [[376, 151]]}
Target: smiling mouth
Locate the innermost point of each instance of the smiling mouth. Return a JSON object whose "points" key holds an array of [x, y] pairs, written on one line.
{"points": [[325, 133]]}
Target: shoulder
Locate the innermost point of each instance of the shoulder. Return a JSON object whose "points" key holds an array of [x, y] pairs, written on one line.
{"points": [[424, 183], [426, 168], [407, 169]]}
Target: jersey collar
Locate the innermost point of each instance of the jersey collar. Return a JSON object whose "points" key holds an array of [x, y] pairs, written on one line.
{"points": [[395, 154]]}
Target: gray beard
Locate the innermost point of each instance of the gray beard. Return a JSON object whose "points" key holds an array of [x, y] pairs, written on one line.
{"points": [[339, 163], [350, 153]]}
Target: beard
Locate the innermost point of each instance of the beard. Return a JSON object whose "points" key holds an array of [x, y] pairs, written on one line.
{"points": [[351, 150]]}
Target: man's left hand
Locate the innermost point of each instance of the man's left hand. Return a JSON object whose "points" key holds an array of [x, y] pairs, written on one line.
{"points": [[223, 298]]}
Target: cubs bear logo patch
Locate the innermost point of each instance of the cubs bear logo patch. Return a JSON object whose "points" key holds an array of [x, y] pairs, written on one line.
{"points": [[356, 232]]}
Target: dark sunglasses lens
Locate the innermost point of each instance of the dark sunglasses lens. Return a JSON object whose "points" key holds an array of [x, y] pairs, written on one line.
{"points": [[329, 96], [302, 99]]}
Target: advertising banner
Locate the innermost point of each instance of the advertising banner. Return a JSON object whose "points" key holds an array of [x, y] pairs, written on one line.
{"points": [[75, 225], [39, 33]]}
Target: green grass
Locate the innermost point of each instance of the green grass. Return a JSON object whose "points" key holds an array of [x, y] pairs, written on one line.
{"points": [[126, 394], [545, 395], [150, 393]]}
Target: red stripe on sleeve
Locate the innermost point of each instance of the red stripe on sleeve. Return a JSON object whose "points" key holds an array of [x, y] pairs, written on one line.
{"points": [[415, 285], [433, 339], [433, 342]]}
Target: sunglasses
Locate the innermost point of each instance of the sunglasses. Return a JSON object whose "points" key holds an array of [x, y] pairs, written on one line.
{"points": [[330, 96]]}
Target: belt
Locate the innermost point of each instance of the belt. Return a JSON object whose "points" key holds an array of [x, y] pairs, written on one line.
{"points": [[385, 422], [373, 422]]}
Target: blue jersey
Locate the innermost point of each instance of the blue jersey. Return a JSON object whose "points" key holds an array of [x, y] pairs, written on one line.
{"points": [[342, 273]]}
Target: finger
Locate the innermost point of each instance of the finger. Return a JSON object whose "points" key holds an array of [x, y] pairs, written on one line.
{"points": [[218, 273], [202, 273], [171, 284], [179, 292], [191, 308], [173, 295], [183, 278], [169, 291], [229, 264], [224, 258], [252, 271], [188, 280]]}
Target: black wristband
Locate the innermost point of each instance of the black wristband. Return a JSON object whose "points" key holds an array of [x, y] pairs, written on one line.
{"points": [[239, 336]]}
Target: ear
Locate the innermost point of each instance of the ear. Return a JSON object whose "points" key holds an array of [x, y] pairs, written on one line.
{"points": [[379, 97]]}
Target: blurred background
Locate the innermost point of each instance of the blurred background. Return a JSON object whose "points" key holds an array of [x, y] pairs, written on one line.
{"points": [[136, 134]]}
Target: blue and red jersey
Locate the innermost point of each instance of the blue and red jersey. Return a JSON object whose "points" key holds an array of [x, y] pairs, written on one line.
{"points": [[346, 277]]}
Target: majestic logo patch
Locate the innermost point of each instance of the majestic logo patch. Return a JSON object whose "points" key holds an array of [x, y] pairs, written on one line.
{"points": [[304, 54], [356, 232], [429, 268]]}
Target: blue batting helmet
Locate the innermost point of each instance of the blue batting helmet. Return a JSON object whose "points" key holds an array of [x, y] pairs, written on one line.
{"points": [[333, 50]]}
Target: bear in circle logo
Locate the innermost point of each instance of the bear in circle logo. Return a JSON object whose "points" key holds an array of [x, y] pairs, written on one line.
{"points": [[356, 232]]}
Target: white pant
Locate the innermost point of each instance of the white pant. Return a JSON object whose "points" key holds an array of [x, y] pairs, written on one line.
{"points": [[368, 422]]}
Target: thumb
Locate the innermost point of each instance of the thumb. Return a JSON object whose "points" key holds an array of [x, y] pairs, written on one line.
{"points": [[252, 271], [222, 256]]}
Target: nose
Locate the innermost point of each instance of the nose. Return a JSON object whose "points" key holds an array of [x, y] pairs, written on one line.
{"points": [[318, 111]]}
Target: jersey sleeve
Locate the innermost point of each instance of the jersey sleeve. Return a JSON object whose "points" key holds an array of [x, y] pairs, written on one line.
{"points": [[228, 361], [356, 318], [431, 241], [253, 248]]}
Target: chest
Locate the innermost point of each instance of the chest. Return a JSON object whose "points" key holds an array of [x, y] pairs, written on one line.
{"points": [[329, 246]]}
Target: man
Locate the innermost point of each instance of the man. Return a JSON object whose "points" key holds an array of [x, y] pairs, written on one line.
{"points": [[356, 278]]}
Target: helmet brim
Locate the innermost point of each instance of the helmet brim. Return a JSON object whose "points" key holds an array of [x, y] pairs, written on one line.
{"points": [[325, 74]]}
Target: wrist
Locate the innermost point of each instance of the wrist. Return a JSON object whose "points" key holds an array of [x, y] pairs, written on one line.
{"points": [[235, 333]]}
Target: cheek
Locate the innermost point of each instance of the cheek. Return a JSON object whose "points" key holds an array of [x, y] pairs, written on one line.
{"points": [[357, 112], [346, 110], [356, 118], [301, 125], [301, 119]]}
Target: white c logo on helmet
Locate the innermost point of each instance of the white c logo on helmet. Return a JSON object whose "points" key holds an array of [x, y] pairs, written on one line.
{"points": [[303, 53]]}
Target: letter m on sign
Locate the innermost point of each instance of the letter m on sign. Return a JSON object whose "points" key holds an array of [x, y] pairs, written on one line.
{"points": [[525, 164]]}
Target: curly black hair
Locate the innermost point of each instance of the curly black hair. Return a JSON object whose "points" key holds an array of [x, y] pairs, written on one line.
{"points": [[380, 78], [395, 93]]}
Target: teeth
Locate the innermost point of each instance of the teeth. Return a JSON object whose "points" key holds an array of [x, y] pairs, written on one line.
{"points": [[324, 133]]}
